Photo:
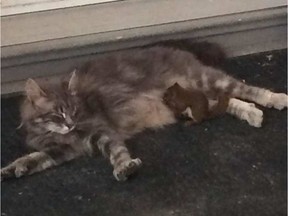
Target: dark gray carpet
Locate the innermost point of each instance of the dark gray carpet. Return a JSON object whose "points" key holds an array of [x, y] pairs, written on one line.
{"points": [[223, 167]]}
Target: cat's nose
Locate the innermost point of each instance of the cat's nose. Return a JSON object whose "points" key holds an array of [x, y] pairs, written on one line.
{"points": [[69, 122], [70, 126]]}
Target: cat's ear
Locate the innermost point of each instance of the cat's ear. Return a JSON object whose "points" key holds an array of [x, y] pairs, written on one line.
{"points": [[33, 90], [73, 83]]}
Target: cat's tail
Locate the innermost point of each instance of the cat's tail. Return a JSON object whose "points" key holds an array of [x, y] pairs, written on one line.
{"points": [[38, 161], [210, 54]]}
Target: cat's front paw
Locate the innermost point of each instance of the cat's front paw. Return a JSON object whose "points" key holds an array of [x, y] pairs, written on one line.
{"points": [[278, 101], [126, 168], [16, 169]]}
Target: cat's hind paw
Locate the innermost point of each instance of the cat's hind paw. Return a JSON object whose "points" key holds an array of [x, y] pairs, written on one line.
{"points": [[246, 111], [126, 168], [254, 116], [278, 101]]}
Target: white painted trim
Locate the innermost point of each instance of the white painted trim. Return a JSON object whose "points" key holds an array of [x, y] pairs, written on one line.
{"points": [[13, 7], [94, 19], [257, 39]]}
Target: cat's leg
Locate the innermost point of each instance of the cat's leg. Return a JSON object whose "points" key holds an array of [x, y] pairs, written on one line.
{"points": [[119, 157], [240, 109], [214, 81], [245, 111], [241, 90], [261, 96], [38, 161]]}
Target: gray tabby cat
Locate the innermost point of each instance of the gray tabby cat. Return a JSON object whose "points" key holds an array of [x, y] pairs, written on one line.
{"points": [[109, 100]]}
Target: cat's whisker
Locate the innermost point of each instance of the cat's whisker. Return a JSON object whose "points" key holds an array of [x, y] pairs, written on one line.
{"points": [[20, 126]]}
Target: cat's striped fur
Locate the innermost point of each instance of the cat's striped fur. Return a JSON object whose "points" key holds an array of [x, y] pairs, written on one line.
{"points": [[116, 96]]}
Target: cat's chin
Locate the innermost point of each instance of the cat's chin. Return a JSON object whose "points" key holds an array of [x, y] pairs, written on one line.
{"points": [[61, 130], [65, 130]]}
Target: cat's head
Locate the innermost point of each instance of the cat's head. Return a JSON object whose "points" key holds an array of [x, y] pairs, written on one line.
{"points": [[51, 108]]}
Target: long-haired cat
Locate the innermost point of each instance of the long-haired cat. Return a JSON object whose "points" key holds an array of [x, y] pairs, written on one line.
{"points": [[108, 100]]}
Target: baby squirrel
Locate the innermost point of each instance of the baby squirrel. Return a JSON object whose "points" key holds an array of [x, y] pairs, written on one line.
{"points": [[193, 104]]}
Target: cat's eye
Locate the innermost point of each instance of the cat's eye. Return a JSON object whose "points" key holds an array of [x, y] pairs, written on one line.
{"points": [[61, 109], [55, 117]]}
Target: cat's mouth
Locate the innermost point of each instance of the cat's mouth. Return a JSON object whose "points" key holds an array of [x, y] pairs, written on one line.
{"points": [[65, 129]]}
